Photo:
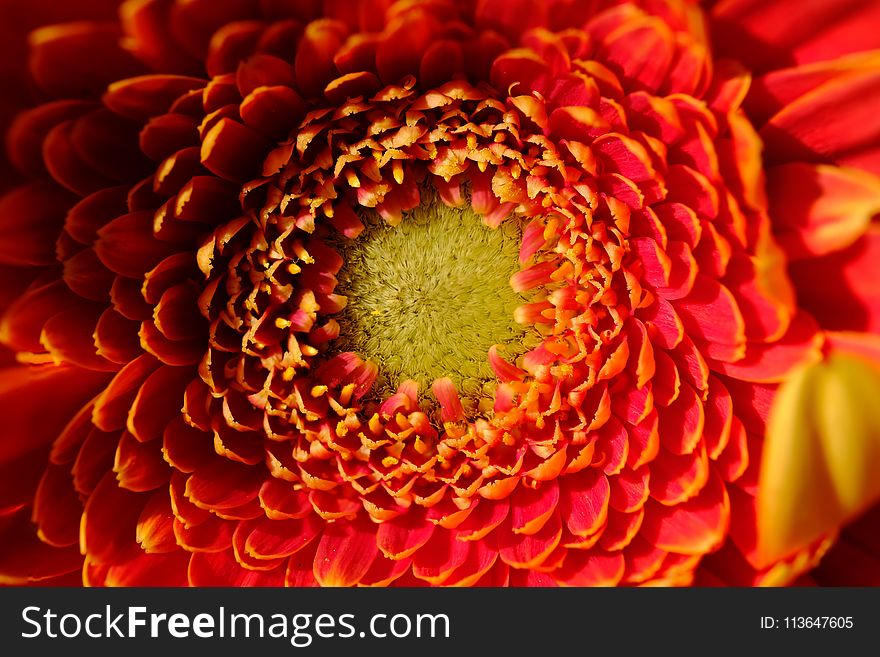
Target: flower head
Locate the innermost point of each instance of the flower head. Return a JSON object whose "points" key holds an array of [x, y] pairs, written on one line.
{"points": [[444, 292]]}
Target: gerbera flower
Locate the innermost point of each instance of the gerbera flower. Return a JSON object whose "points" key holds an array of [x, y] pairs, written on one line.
{"points": [[444, 292]]}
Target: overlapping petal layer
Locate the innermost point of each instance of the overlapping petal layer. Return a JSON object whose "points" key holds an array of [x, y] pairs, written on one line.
{"points": [[182, 245]]}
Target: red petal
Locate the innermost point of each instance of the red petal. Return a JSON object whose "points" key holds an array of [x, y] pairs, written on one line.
{"points": [[820, 209], [400, 50], [591, 568], [480, 559], [834, 123], [127, 245], [186, 447], [384, 572], [345, 553], [24, 141], [158, 401], [94, 460], [146, 570], [764, 37], [664, 326], [440, 556], [682, 422], [23, 557], [712, 319], [23, 394], [31, 217], [213, 534], [524, 551], [487, 516], [530, 508], [447, 396], [139, 466], [274, 111], [221, 569], [629, 489], [69, 337], [223, 484], [300, 568], [233, 151], [584, 499], [155, 526], [719, 417], [57, 507], [314, 56], [695, 527], [641, 51], [840, 290], [113, 404], [280, 538], [402, 536], [770, 363], [677, 478], [281, 501], [109, 525], [79, 59]]}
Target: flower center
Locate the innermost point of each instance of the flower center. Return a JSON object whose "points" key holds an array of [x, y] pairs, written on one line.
{"points": [[428, 298]]}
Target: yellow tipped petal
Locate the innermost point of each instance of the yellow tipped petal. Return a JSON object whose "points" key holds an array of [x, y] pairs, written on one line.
{"points": [[822, 453]]}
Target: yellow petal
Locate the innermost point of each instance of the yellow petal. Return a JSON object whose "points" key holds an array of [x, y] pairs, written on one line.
{"points": [[821, 461]]}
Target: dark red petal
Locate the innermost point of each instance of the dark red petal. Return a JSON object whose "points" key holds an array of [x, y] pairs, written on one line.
{"points": [[23, 557], [69, 337], [109, 525], [23, 394], [127, 246], [314, 56], [159, 400], [79, 59], [233, 151], [24, 141], [57, 507], [401, 49], [31, 217]]}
